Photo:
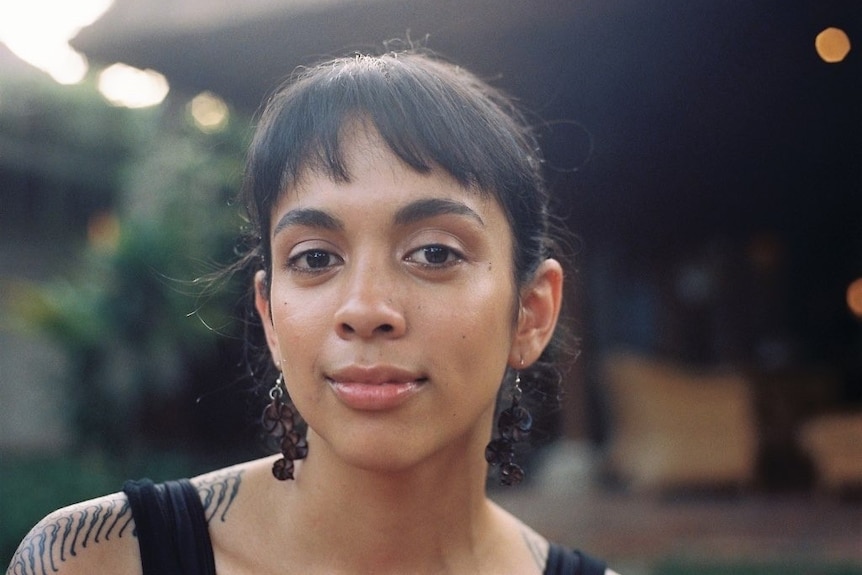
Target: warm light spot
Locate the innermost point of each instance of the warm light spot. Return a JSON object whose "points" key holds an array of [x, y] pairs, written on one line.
{"points": [[209, 112], [103, 231], [38, 32], [124, 85], [832, 45], [854, 297]]}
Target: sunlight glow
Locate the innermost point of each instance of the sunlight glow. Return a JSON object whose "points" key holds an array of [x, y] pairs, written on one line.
{"points": [[209, 112], [38, 32], [123, 85]]}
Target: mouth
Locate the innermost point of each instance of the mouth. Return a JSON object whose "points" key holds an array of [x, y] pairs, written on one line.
{"points": [[377, 388]]}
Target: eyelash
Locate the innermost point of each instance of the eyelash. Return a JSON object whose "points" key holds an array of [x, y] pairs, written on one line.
{"points": [[456, 256], [453, 257], [292, 262]]}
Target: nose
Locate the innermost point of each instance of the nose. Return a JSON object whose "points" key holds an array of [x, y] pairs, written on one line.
{"points": [[369, 308]]}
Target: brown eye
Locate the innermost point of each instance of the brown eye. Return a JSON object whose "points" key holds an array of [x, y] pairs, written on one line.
{"points": [[313, 260], [434, 255], [317, 259]]}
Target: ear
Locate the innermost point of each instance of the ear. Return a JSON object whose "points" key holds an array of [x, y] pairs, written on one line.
{"points": [[262, 305], [540, 303]]}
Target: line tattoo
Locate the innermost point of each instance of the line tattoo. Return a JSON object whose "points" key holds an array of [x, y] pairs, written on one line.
{"points": [[59, 537], [218, 492], [536, 548]]}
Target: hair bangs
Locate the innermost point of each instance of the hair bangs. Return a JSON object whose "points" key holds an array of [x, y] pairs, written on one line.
{"points": [[429, 113], [424, 120]]}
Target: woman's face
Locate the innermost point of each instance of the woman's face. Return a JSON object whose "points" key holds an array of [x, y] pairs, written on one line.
{"points": [[393, 309]]}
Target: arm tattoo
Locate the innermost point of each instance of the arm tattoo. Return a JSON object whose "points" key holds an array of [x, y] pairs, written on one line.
{"points": [[217, 493], [534, 544], [61, 536], [56, 539]]}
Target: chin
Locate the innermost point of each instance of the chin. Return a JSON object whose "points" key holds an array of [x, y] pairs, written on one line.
{"points": [[375, 453]]}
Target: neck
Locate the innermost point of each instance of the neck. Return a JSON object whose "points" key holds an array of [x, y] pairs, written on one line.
{"points": [[377, 521]]}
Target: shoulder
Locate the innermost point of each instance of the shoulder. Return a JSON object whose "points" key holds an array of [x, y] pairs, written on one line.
{"points": [[96, 536], [538, 546], [549, 558], [99, 535], [236, 502], [219, 490], [523, 549]]}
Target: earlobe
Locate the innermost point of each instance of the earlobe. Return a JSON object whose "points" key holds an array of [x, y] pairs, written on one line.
{"points": [[539, 312]]}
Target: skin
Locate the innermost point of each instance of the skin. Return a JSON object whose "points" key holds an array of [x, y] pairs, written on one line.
{"points": [[375, 300], [412, 273], [394, 275]]}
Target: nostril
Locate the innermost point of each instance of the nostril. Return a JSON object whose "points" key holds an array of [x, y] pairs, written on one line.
{"points": [[369, 329]]}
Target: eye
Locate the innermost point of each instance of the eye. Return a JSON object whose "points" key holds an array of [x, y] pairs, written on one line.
{"points": [[313, 260], [434, 256]]}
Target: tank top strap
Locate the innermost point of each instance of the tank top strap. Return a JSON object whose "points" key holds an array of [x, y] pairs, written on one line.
{"points": [[563, 561], [171, 528]]}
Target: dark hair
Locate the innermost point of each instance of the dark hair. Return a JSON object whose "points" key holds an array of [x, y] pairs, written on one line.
{"points": [[431, 114]]}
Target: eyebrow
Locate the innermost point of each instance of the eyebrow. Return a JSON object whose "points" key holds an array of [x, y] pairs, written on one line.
{"points": [[308, 217], [431, 207], [409, 214]]}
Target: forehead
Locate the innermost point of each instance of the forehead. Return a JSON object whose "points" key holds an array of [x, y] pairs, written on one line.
{"points": [[385, 196], [371, 166]]}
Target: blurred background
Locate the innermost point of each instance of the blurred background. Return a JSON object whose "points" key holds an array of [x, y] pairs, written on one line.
{"points": [[707, 156]]}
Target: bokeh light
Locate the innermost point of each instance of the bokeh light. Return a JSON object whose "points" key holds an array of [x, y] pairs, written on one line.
{"points": [[832, 45], [38, 32], [209, 112], [854, 297], [123, 85], [103, 231]]}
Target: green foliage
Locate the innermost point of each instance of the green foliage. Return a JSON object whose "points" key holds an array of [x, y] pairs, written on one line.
{"points": [[30, 488], [68, 133], [126, 309], [130, 315]]}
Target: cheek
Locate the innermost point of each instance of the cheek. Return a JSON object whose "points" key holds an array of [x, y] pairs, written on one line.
{"points": [[475, 326], [297, 325], [300, 341]]}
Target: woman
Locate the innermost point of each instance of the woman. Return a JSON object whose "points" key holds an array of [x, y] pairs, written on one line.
{"points": [[401, 239]]}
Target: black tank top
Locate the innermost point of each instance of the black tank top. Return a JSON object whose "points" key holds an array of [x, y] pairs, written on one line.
{"points": [[174, 539]]}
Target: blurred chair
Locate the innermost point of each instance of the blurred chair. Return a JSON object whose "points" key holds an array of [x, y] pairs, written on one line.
{"points": [[834, 443], [674, 427]]}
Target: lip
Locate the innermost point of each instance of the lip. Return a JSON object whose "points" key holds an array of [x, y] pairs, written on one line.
{"points": [[375, 388]]}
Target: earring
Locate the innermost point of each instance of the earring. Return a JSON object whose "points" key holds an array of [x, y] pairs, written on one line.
{"points": [[513, 425], [279, 420]]}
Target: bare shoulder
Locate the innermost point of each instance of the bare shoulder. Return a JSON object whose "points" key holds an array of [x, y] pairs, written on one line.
{"points": [[530, 548], [537, 546], [96, 536], [220, 489], [99, 536]]}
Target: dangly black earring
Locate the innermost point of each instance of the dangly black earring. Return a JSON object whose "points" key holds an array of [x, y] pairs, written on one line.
{"points": [[513, 425], [280, 421]]}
